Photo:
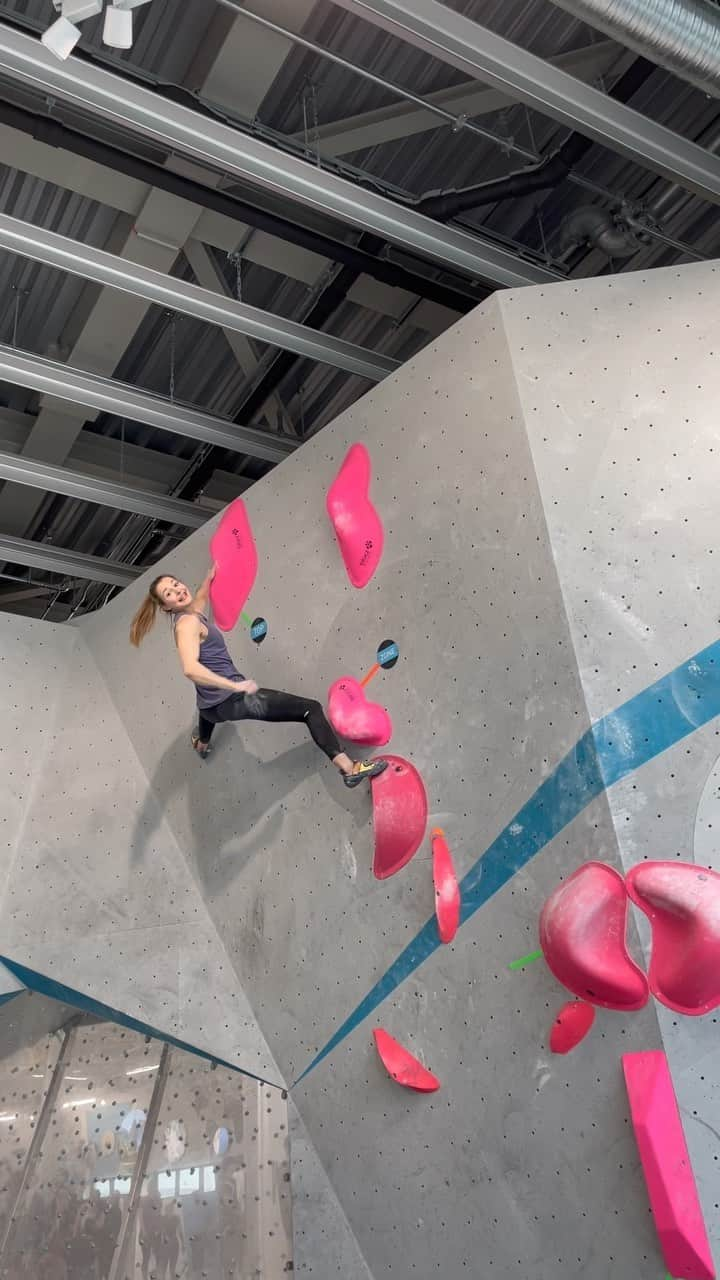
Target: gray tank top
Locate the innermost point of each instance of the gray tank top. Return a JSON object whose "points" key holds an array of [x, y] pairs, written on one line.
{"points": [[213, 655]]}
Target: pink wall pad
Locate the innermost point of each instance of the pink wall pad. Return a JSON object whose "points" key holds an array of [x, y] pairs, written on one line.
{"points": [[353, 717], [571, 1025], [232, 548], [682, 902], [447, 893], [582, 934], [666, 1164], [357, 525], [402, 1066], [399, 815]]}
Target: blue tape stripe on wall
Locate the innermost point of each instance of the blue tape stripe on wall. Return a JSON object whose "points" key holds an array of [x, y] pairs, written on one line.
{"points": [[615, 746], [68, 995]]}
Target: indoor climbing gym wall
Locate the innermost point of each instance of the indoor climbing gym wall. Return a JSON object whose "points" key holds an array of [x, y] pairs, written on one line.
{"points": [[87, 855], [618, 386], [518, 492]]}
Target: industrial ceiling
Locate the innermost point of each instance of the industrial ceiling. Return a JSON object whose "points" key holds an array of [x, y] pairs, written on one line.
{"points": [[214, 241]]}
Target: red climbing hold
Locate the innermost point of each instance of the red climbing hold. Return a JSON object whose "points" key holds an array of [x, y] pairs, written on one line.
{"points": [[232, 548], [571, 1025], [447, 893], [399, 815], [582, 934], [354, 717], [357, 525], [682, 902], [403, 1066]]}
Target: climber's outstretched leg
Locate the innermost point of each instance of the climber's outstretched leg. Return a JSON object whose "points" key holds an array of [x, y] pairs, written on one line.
{"points": [[275, 707]]}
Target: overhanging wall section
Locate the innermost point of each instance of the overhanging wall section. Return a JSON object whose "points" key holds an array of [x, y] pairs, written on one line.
{"points": [[486, 701], [98, 895]]}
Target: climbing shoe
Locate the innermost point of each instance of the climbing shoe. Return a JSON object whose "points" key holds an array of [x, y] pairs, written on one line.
{"points": [[365, 769]]}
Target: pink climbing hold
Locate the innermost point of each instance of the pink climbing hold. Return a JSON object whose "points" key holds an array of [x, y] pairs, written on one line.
{"points": [[232, 548], [357, 525], [447, 893], [399, 816], [682, 902], [353, 717], [582, 934], [666, 1164], [402, 1065], [571, 1025]]}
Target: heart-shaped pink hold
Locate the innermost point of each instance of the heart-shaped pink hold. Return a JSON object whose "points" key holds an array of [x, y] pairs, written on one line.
{"points": [[354, 718]]}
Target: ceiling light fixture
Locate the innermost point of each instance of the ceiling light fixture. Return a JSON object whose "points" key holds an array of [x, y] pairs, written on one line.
{"points": [[61, 38], [118, 29], [63, 34]]}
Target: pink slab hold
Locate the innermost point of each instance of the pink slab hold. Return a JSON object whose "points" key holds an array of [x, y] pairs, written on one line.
{"points": [[666, 1164], [357, 525], [399, 815], [571, 1025], [682, 902], [353, 717], [232, 548], [403, 1066], [447, 893], [582, 934]]}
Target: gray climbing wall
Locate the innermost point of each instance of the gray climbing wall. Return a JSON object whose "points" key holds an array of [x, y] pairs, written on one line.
{"points": [[486, 700], [543, 553], [619, 388], [96, 894], [33, 669]]}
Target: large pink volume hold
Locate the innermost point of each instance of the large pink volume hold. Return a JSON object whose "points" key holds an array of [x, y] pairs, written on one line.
{"points": [[682, 902], [666, 1164], [233, 551], [357, 525], [582, 934]]}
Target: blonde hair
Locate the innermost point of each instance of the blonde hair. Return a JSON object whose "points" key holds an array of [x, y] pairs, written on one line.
{"points": [[146, 616]]}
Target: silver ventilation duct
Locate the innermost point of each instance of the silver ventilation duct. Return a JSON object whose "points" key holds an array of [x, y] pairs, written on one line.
{"points": [[682, 36]]}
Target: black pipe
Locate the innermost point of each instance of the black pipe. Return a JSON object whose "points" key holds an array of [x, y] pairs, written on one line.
{"points": [[551, 171], [54, 134]]}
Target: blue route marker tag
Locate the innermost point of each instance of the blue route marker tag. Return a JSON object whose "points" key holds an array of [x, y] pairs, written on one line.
{"points": [[387, 654], [258, 630]]}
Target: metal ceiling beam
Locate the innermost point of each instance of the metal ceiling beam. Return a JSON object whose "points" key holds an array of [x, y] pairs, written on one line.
{"points": [[106, 493], [479, 52], [154, 286], [472, 99], [40, 555], [140, 110], [109, 396]]}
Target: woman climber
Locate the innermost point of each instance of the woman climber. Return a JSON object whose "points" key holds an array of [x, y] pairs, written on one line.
{"points": [[222, 692]]}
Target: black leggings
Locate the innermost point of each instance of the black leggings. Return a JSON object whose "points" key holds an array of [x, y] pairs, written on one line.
{"points": [[268, 704]]}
